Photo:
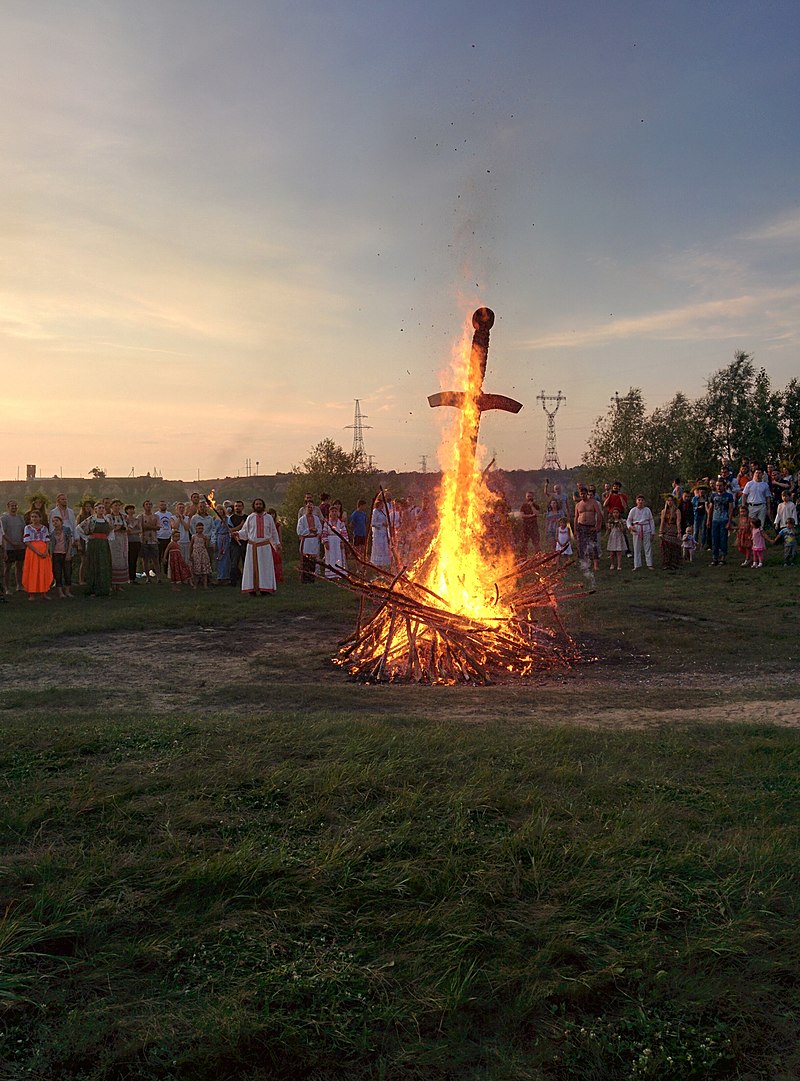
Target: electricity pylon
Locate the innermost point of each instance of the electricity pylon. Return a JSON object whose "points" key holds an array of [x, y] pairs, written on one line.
{"points": [[550, 460], [358, 426]]}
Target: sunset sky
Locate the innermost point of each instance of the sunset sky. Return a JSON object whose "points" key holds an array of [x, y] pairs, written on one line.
{"points": [[223, 222]]}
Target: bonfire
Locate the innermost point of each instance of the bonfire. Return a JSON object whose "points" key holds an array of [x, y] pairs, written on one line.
{"points": [[466, 610]]}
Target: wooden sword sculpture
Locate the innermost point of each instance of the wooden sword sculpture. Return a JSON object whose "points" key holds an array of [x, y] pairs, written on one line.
{"points": [[473, 401]]}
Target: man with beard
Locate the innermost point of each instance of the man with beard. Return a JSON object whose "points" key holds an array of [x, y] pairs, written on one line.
{"points": [[261, 536]]}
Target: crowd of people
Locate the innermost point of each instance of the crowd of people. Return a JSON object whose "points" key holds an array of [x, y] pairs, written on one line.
{"points": [[752, 508], [105, 546]]}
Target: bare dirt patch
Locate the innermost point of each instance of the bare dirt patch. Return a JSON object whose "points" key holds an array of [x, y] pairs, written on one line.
{"points": [[157, 669], [242, 667]]}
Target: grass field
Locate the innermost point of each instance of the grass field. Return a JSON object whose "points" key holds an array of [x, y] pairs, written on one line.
{"points": [[222, 860]]}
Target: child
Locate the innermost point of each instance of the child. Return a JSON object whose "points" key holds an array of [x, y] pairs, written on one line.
{"points": [[788, 534], [37, 570], [759, 543], [615, 545], [744, 537], [198, 555], [688, 544], [61, 541], [563, 540], [178, 570]]}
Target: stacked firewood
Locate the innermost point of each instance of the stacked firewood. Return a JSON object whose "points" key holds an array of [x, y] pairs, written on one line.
{"points": [[405, 631]]}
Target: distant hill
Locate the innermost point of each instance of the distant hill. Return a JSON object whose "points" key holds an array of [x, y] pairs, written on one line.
{"points": [[271, 488], [137, 489]]}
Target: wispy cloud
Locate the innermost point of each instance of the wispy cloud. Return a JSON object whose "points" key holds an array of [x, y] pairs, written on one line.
{"points": [[784, 229], [692, 322]]}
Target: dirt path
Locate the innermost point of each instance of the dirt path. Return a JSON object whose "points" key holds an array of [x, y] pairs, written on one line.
{"points": [[241, 668]]}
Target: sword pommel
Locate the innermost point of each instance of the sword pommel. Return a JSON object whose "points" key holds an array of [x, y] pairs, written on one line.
{"points": [[482, 319]]}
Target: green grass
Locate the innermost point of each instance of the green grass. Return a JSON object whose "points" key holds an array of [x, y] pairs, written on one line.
{"points": [[293, 876]]}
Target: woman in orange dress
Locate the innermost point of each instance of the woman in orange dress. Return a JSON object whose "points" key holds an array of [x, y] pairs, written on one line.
{"points": [[37, 570]]}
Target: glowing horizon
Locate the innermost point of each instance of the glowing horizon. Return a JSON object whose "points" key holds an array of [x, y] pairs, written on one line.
{"points": [[207, 258]]}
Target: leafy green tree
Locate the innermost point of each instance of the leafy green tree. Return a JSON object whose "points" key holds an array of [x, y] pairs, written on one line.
{"points": [[329, 468], [743, 412], [677, 443], [329, 458], [617, 447], [739, 414], [790, 423], [726, 406]]}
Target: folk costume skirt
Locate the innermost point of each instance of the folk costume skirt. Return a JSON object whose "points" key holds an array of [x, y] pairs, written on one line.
{"points": [[37, 573]]}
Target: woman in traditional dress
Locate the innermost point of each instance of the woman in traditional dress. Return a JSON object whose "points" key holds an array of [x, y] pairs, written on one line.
{"points": [[309, 530], [223, 535], [670, 533], [381, 553], [37, 570], [97, 561], [118, 544], [258, 576], [334, 539]]}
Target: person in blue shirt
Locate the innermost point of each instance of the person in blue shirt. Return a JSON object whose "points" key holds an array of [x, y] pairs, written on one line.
{"points": [[720, 517], [358, 528]]}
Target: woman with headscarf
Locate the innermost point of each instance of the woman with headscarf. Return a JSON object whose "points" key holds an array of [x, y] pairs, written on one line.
{"points": [[96, 530], [118, 544]]}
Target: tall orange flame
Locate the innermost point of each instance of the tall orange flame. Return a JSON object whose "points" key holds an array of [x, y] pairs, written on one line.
{"points": [[464, 560], [464, 610]]}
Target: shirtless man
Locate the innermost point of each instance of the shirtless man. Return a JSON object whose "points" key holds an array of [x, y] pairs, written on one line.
{"points": [[588, 523]]}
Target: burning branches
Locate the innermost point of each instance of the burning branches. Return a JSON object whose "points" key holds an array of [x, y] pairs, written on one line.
{"points": [[414, 636]]}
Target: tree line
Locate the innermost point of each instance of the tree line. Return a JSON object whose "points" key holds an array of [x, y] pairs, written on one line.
{"points": [[739, 414]]}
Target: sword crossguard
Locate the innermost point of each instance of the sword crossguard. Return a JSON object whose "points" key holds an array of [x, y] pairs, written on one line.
{"points": [[457, 398], [482, 322]]}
